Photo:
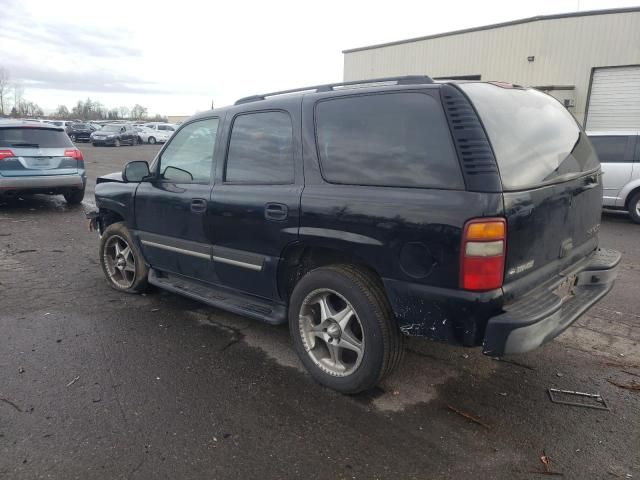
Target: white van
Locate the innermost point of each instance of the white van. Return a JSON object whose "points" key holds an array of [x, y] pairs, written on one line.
{"points": [[619, 154]]}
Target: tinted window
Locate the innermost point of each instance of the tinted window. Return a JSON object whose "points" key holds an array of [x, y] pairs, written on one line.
{"points": [[261, 149], [535, 139], [610, 148], [162, 127], [189, 155], [398, 139], [13, 137]]}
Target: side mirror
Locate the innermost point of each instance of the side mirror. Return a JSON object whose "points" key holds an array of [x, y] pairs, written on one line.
{"points": [[136, 171]]}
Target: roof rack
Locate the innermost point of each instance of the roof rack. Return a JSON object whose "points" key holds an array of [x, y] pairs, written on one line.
{"points": [[406, 80]]}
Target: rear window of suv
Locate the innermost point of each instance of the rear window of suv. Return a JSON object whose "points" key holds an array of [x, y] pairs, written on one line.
{"points": [[391, 140], [535, 139], [33, 136]]}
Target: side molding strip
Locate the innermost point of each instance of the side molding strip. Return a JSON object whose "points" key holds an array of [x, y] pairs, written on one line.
{"points": [[176, 249], [237, 263]]}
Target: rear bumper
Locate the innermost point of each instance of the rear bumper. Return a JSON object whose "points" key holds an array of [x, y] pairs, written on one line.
{"points": [[543, 314], [41, 182]]}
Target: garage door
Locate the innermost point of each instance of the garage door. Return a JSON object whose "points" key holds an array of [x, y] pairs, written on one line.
{"points": [[614, 103]]}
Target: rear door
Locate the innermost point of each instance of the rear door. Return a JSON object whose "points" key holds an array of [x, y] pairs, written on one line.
{"points": [[615, 153], [551, 180], [35, 151], [255, 205]]}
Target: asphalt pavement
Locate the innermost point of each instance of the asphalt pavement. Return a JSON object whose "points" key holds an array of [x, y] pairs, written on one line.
{"points": [[99, 384]]}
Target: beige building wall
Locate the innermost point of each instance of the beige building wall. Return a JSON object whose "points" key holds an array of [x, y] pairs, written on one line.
{"points": [[565, 50]]}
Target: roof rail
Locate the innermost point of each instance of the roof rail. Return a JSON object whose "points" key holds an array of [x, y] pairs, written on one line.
{"points": [[406, 80]]}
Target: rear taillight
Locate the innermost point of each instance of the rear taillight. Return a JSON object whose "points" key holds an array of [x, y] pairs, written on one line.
{"points": [[482, 254], [74, 153], [6, 154]]}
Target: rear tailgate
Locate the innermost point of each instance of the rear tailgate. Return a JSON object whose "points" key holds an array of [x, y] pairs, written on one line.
{"points": [[36, 151], [551, 182]]}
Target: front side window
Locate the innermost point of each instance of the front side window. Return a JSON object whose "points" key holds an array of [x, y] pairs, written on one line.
{"points": [[610, 149], [189, 156], [393, 139], [261, 149]]}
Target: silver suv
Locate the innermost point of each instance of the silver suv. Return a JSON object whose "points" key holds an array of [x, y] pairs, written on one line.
{"points": [[619, 154], [40, 158]]}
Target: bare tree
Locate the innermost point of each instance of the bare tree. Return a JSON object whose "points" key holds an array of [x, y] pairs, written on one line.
{"points": [[18, 94], [124, 112], [4, 88], [138, 112], [61, 112]]}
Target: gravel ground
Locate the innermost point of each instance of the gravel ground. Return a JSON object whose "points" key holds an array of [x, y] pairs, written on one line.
{"points": [[98, 384]]}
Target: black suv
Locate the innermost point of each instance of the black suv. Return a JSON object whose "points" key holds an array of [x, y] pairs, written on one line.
{"points": [[364, 212]]}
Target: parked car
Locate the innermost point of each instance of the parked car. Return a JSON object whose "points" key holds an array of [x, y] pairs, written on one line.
{"points": [[40, 159], [152, 136], [115, 134], [161, 127], [619, 154], [59, 123], [462, 212], [80, 132]]}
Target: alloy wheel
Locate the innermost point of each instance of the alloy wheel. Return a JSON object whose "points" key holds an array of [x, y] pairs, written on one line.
{"points": [[331, 332], [120, 262]]}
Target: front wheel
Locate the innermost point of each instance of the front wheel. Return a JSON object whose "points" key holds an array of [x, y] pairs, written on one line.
{"points": [[152, 140], [116, 143], [72, 138], [121, 260], [343, 328], [634, 208]]}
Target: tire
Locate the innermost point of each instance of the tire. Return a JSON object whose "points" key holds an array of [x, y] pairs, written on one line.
{"points": [[72, 138], [94, 144], [74, 197], [372, 329], [134, 141], [132, 277], [152, 140], [634, 207], [139, 140], [116, 142]]}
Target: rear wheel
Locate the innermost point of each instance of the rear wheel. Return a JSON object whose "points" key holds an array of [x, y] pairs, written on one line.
{"points": [[74, 197], [116, 142], [634, 208], [343, 328], [121, 261], [152, 140]]}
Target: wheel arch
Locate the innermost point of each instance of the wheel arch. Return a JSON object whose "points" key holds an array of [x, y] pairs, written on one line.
{"points": [[300, 258]]}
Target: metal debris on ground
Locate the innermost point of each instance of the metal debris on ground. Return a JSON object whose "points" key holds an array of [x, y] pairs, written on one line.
{"points": [[578, 399], [627, 386], [73, 381], [546, 461], [468, 416]]}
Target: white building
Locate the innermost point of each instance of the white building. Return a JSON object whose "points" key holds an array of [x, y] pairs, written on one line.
{"points": [[588, 60]]}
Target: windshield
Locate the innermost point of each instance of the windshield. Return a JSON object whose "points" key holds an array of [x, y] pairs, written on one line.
{"points": [[535, 139], [28, 137], [111, 128]]}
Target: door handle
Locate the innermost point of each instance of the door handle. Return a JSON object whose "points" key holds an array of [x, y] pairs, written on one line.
{"points": [[198, 205], [276, 211]]}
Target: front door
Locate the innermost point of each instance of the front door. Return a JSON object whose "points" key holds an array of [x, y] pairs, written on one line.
{"points": [[171, 211], [255, 204]]}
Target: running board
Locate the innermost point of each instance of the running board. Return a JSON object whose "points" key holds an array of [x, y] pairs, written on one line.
{"points": [[249, 306]]}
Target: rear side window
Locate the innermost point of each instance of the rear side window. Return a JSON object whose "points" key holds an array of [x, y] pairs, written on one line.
{"points": [[535, 139], [394, 139], [611, 148], [33, 136], [261, 149]]}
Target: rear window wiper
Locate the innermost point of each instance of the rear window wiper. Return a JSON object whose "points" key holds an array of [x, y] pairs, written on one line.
{"points": [[26, 145]]}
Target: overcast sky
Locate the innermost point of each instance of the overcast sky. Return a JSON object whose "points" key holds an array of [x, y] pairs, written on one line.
{"points": [[175, 57]]}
